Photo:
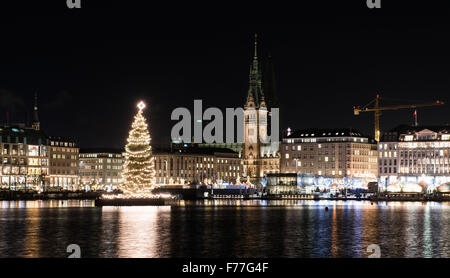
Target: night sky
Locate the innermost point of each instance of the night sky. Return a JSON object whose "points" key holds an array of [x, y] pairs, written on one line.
{"points": [[91, 66]]}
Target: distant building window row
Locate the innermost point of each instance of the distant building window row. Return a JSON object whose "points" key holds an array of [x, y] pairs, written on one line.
{"points": [[62, 144]]}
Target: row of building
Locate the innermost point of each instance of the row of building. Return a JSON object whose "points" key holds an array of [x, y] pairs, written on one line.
{"points": [[32, 160], [413, 158], [102, 168], [408, 156]]}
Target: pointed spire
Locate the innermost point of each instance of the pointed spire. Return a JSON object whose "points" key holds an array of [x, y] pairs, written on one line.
{"points": [[36, 124], [256, 47], [255, 82], [255, 66], [35, 100]]}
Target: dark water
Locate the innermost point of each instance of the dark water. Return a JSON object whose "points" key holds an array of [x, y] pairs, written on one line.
{"points": [[252, 229]]}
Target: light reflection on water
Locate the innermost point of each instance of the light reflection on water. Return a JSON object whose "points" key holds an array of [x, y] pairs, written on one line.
{"points": [[46, 204], [226, 228]]}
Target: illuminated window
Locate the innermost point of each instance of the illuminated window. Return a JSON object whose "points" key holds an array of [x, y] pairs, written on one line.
{"points": [[33, 150]]}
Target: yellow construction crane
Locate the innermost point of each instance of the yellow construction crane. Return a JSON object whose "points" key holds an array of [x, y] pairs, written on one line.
{"points": [[377, 109]]}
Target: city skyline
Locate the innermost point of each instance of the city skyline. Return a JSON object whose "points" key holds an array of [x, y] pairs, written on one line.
{"points": [[224, 138]]}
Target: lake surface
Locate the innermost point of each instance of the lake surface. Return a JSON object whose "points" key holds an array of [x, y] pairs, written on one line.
{"points": [[294, 229]]}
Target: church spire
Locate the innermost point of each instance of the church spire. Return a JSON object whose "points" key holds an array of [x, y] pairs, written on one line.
{"points": [[255, 56], [255, 83], [36, 124], [255, 66]]}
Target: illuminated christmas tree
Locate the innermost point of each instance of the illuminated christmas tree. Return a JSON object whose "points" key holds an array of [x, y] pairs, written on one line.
{"points": [[138, 173]]}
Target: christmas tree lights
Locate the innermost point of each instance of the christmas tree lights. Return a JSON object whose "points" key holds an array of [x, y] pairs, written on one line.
{"points": [[138, 172]]}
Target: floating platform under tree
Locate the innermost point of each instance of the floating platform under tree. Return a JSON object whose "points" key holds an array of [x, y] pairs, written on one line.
{"points": [[101, 202]]}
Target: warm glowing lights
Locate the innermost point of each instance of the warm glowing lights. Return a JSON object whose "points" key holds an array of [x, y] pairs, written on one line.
{"points": [[138, 172], [141, 106], [407, 187], [130, 196]]}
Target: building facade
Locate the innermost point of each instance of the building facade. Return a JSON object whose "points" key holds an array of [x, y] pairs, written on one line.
{"points": [[341, 154], [63, 170], [101, 169], [197, 166], [415, 159], [24, 158]]}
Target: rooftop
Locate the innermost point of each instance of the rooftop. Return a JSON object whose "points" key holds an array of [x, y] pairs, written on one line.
{"points": [[333, 132], [16, 134], [194, 150], [61, 139], [101, 150], [407, 128]]}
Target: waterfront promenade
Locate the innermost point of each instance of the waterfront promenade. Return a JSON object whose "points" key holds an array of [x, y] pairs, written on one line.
{"points": [[221, 194]]}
